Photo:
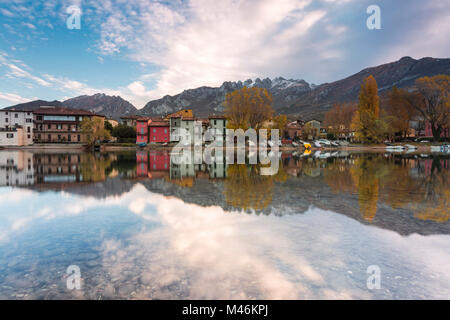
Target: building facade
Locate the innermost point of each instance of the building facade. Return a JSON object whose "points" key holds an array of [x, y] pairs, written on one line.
{"points": [[429, 132], [218, 124], [159, 131], [177, 124], [142, 130], [10, 119], [129, 120], [12, 137], [60, 125]]}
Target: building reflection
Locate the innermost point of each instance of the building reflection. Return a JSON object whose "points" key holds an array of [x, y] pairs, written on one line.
{"points": [[353, 183]]}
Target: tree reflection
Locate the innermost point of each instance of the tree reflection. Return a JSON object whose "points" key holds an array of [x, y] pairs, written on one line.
{"points": [[420, 185], [245, 188]]}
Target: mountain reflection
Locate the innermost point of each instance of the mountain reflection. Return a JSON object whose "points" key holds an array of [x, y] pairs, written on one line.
{"points": [[367, 184]]}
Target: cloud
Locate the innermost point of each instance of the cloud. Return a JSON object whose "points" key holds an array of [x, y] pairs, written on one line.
{"points": [[205, 43], [16, 71], [6, 12], [11, 97]]}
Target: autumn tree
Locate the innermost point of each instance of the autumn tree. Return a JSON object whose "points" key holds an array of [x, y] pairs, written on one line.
{"points": [[280, 122], [400, 111], [94, 130], [339, 118], [431, 99], [248, 108], [366, 121]]}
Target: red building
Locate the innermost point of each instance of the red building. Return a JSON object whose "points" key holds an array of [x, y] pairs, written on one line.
{"points": [[142, 163], [429, 133], [159, 161], [142, 130], [153, 165], [159, 131]]}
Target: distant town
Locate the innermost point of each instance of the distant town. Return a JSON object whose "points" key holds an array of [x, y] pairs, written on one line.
{"points": [[413, 116]]}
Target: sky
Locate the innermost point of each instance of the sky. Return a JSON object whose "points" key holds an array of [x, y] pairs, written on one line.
{"points": [[143, 50]]}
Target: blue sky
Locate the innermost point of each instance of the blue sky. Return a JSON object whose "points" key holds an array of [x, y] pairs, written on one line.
{"points": [[143, 50]]}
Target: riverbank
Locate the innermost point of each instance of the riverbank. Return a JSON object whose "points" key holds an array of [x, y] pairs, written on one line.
{"points": [[110, 147]]}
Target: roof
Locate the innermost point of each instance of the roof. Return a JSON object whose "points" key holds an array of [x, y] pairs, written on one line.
{"points": [[133, 117], [63, 111], [216, 116], [143, 119], [160, 123]]}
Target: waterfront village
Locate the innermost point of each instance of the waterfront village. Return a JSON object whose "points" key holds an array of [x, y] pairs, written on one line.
{"points": [[53, 126]]}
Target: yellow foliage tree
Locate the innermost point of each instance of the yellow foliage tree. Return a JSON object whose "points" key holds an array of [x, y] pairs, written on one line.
{"points": [[94, 130], [248, 108], [366, 120]]}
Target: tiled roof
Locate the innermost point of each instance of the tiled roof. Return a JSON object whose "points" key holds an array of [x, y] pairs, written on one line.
{"points": [[159, 124], [64, 111]]}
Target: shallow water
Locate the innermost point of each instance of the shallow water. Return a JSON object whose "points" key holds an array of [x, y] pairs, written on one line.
{"points": [[139, 226]]}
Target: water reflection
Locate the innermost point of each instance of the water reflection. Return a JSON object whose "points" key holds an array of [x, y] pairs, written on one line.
{"points": [[141, 226], [417, 183]]}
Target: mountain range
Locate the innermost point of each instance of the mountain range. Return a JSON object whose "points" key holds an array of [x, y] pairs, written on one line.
{"points": [[290, 96]]}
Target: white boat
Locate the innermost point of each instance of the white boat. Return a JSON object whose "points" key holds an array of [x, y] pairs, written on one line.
{"points": [[395, 148], [295, 144], [410, 147], [317, 144]]}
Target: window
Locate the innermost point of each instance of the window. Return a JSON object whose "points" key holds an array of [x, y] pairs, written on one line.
{"points": [[49, 137], [59, 118], [29, 120], [142, 130], [28, 136], [165, 130], [154, 130], [28, 113], [39, 118], [215, 122], [6, 120], [6, 113], [10, 135], [28, 129], [16, 115], [49, 126]]}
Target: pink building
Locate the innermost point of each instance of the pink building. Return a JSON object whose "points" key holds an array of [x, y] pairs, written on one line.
{"points": [[159, 131], [142, 130], [429, 133]]}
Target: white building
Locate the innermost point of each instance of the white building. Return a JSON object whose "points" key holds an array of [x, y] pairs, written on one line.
{"points": [[13, 137], [17, 118], [16, 168]]}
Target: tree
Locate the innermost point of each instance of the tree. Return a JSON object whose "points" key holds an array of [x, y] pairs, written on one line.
{"points": [[401, 111], [108, 126], [94, 130], [124, 132], [248, 108], [431, 99], [339, 118], [280, 122], [366, 121]]}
